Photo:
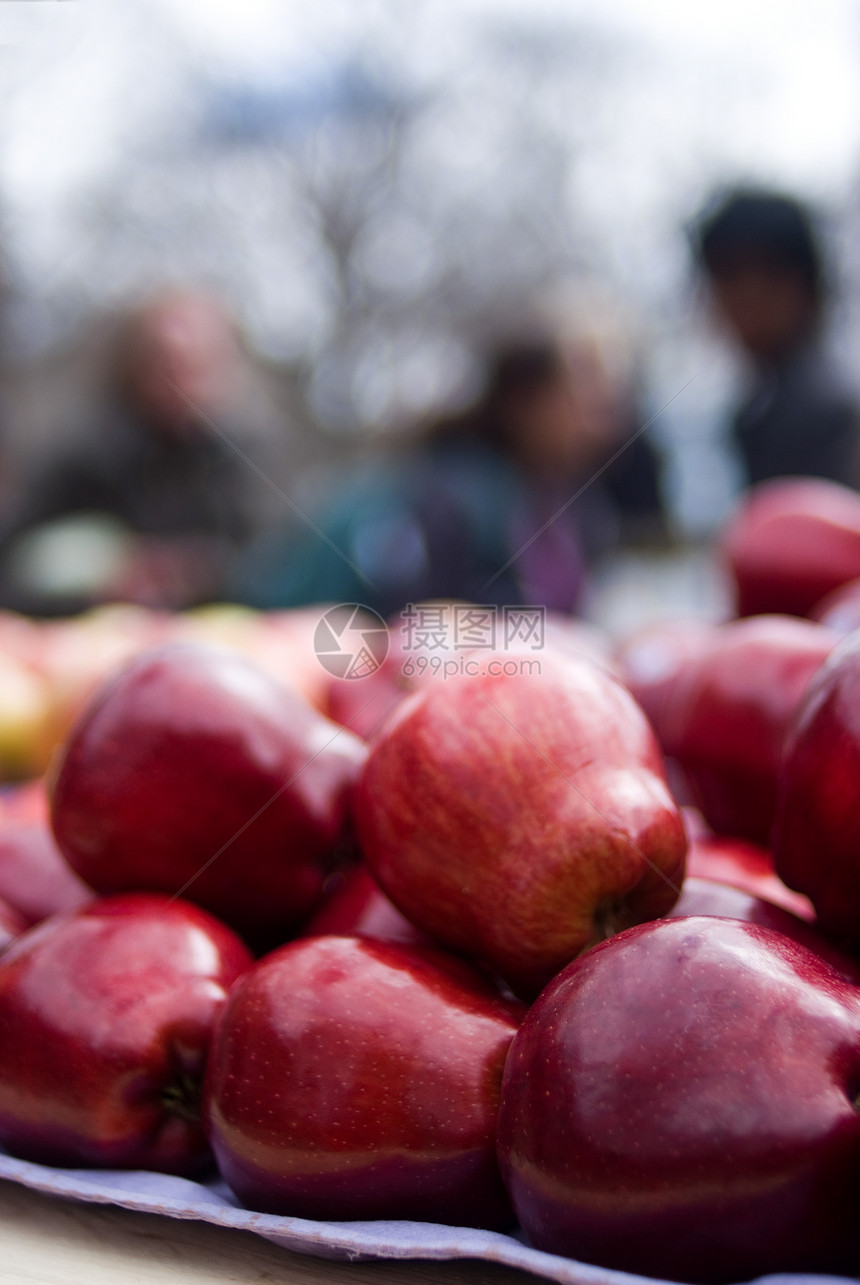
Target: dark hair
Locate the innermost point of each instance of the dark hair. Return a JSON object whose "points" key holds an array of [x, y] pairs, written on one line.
{"points": [[523, 367], [748, 225], [515, 369]]}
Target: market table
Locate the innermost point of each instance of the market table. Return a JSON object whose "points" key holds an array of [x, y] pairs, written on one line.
{"points": [[48, 1241]]}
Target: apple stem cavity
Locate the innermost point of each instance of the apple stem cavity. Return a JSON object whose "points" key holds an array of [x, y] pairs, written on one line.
{"points": [[182, 1097], [605, 922]]}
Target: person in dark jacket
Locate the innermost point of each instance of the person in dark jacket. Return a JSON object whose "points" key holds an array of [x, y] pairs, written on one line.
{"points": [[761, 254]]}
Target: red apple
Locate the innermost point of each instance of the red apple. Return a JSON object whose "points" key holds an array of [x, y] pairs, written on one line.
{"points": [[734, 702], [817, 831], [521, 817], [359, 1079], [105, 1019], [709, 897], [744, 865], [194, 772], [35, 877], [354, 905], [681, 1102], [653, 665], [792, 541]]}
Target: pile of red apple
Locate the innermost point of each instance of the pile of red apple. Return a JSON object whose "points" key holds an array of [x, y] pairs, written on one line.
{"points": [[455, 972]]}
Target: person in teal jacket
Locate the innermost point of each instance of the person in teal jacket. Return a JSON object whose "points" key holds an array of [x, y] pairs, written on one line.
{"points": [[498, 505]]}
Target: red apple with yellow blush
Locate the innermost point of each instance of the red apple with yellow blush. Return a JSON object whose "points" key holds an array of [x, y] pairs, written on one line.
{"points": [[520, 817]]}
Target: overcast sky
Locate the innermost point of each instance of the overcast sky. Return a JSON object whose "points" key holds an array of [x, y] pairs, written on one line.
{"points": [[670, 96], [796, 59]]}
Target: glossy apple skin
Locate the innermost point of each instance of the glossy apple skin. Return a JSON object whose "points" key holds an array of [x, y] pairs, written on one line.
{"points": [[652, 1121], [194, 772], [748, 866], [35, 877], [709, 897], [736, 701], [352, 1078], [106, 1014], [354, 905], [817, 831], [792, 541], [519, 818]]}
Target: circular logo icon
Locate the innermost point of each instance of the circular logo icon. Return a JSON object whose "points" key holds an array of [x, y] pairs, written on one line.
{"points": [[351, 641]]}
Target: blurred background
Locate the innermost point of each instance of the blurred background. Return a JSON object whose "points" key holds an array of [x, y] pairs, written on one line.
{"points": [[374, 190]]}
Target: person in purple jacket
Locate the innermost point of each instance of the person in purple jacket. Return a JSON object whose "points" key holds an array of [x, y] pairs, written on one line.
{"points": [[505, 503]]}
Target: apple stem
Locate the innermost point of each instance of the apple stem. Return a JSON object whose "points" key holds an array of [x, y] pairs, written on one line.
{"points": [[182, 1097]]}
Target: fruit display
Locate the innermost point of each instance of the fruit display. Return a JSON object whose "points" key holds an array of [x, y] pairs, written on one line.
{"points": [[554, 942]]}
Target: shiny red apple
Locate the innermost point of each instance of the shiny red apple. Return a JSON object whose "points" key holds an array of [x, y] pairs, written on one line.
{"points": [[709, 897], [733, 704], [105, 1019], [747, 866], [521, 817], [352, 1078], [792, 541], [353, 904], [194, 772], [681, 1103], [653, 664], [817, 832]]}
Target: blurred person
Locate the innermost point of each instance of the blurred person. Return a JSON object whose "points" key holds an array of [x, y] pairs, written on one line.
{"points": [[761, 255], [500, 504], [152, 503]]}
